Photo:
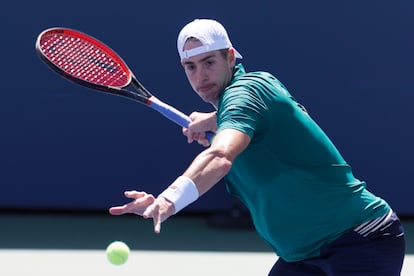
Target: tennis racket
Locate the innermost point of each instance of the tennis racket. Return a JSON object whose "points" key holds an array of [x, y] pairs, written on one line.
{"points": [[87, 61]]}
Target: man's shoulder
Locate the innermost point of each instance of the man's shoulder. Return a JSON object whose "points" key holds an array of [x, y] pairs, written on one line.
{"points": [[256, 80], [255, 77]]}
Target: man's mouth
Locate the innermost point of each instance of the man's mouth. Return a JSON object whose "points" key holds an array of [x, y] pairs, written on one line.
{"points": [[205, 88]]}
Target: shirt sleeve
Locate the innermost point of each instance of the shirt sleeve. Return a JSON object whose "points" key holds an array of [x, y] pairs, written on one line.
{"points": [[242, 109]]}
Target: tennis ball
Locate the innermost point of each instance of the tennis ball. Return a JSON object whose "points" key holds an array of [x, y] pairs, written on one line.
{"points": [[117, 252]]}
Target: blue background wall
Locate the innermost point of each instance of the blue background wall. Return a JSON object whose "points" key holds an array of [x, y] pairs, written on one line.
{"points": [[64, 146]]}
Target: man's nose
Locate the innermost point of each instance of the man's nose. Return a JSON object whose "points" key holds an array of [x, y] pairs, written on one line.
{"points": [[201, 76]]}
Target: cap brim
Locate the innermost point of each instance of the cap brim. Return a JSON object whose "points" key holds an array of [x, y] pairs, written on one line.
{"points": [[237, 54]]}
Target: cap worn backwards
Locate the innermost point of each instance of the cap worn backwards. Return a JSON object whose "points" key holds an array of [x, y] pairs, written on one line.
{"points": [[211, 34]]}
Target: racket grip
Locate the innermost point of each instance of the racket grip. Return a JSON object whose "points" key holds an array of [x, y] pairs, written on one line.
{"points": [[173, 114]]}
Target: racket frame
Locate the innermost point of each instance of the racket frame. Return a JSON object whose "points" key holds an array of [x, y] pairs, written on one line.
{"points": [[143, 96]]}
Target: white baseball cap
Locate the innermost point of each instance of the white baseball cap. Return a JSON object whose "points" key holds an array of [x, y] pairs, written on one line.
{"points": [[211, 34]]}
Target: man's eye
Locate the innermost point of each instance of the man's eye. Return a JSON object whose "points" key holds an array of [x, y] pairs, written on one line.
{"points": [[189, 67]]}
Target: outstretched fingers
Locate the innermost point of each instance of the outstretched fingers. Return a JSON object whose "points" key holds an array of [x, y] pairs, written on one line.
{"points": [[147, 206], [153, 211], [141, 201]]}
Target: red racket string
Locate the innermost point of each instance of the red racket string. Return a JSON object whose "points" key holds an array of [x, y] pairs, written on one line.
{"points": [[85, 60]]}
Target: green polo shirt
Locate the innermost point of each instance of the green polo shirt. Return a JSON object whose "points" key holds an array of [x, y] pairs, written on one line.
{"points": [[300, 191]]}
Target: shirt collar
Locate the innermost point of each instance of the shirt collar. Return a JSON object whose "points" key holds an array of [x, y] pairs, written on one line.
{"points": [[237, 72]]}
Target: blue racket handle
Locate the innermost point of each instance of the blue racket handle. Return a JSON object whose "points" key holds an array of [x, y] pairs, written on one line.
{"points": [[173, 114]]}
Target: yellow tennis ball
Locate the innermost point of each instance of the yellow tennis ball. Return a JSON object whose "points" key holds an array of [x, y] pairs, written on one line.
{"points": [[117, 252]]}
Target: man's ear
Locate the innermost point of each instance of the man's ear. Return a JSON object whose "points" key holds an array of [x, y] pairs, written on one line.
{"points": [[232, 56]]}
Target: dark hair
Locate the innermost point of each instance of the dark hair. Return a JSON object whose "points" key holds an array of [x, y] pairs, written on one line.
{"points": [[225, 52]]}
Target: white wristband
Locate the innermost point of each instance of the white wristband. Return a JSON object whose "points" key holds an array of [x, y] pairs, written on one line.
{"points": [[181, 193]]}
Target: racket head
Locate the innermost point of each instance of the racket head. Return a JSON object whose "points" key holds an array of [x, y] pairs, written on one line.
{"points": [[83, 59]]}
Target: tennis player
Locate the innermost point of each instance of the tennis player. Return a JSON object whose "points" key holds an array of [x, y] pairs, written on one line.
{"points": [[304, 200]]}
